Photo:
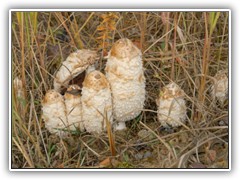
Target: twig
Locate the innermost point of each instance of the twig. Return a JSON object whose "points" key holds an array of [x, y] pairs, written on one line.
{"points": [[187, 154], [160, 139], [94, 152]]}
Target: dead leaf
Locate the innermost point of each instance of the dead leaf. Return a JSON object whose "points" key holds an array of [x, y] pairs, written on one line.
{"points": [[60, 166], [106, 162], [212, 155]]}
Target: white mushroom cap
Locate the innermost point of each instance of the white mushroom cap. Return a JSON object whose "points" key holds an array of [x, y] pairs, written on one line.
{"points": [[75, 64], [74, 107], [125, 73], [220, 86], [171, 106], [54, 112], [96, 102]]}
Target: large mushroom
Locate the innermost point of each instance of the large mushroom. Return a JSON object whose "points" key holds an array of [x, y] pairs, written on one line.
{"points": [[171, 106], [124, 71], [96, 103], [75, 64]]}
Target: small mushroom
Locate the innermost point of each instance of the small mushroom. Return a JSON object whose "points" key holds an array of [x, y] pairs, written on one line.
{"points": [[171, 106], [76, 63], [54, 112], [18, 93], [96, 102], [18, 87], [220, 86], [74, 107], [124, 71]]}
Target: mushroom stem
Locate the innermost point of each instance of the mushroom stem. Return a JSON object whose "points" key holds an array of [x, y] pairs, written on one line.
{"points": [[120, 126]]}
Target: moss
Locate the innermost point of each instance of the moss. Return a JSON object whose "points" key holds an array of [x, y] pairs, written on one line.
{"points": [[125, 165]]}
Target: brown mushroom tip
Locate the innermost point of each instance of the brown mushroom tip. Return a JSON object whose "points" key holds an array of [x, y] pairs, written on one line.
{"points": [[51, 97], [124, 48], [171, 90], [96, 80]]}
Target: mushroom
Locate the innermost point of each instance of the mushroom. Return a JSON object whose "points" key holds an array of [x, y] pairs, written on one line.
{"points": [[220, 86], [96, 102], [18, 87], [18, 93], [76, 63], [171, 106], [124, 71], [54, 112], [74, 108]]}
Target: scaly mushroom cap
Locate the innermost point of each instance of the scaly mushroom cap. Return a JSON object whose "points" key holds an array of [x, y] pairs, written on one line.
{"points": [[220, 86], [171, 106], [74, 107], [54, 112], [171, 90], [75, 64], [124, 71], [124, 48], [51, 97], [96, 102], [96, 80]]}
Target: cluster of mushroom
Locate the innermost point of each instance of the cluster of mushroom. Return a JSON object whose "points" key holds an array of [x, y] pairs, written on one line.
{"points": [[119, 95], [172, 106]]}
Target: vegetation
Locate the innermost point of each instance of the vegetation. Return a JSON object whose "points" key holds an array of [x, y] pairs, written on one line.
{"points": [[188, 48]]}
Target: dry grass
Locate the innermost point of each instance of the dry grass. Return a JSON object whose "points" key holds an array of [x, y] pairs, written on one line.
{"points": [[185, 47]]}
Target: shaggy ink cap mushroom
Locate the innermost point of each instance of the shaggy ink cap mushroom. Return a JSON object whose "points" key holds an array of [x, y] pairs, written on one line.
{"points": [[171, 106], [125, 73], [96, 103], [76, 63]]}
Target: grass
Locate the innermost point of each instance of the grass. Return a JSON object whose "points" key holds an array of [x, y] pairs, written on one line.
{"points": [[188, 48]]}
